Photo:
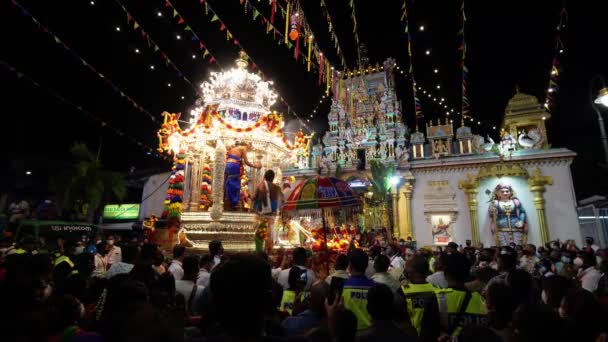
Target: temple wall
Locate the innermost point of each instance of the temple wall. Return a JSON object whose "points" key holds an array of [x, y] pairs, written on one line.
{"points": [[560, 201]]}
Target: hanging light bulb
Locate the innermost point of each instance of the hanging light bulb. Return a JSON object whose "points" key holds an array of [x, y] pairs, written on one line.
{"points": [[427, 52], [421, 28], [436, 71], [136, 50], [159, 14]]}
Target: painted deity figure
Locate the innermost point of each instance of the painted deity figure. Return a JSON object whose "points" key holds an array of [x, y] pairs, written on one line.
{"points": [[508, 217], [236, 159]]}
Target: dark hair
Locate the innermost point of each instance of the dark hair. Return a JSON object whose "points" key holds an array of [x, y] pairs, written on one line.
{"points": [[205, 259], [536, 322], [299, 256], [346, 325], [380, 302], [190, 265], [269, 175], [341, 262], [588, 258], [129, 253], [178, 251], [420, 265], [521, 283], [381, 263], [215, 247], [555, 288], [148, 252], [374, 251], [501, 299], [457, 267], [226, 291], [507, 262], [357, 260], [298, 278]]}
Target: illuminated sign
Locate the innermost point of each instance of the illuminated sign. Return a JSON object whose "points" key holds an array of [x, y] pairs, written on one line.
{"points": [[121, 212]]}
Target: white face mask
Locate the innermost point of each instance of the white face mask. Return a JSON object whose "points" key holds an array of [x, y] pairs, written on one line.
{"points": [[111, 242], [598, 260], [543, 296], [503, 252], [578, 261], [79, 250]]}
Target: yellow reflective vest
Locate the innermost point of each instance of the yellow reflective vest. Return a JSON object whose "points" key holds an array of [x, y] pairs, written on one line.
{"points": [[450, 302], [288, 300], [355, 299], [416, 296]]}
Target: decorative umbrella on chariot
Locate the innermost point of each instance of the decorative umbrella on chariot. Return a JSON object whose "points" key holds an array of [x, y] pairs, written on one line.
{"points": [[321, 194]]}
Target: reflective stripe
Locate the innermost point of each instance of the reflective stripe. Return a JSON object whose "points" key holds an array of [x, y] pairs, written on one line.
{"points": [[450, 301], [443, 308], [63, 258]]}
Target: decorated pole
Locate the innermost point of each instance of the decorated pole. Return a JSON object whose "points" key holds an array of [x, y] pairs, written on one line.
{"points": [[217, 191]]}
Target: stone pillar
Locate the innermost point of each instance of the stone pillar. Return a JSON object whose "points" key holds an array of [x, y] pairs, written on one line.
{"points": [[405, 217], [217, 183], [537, 183], [470, 186], [395, 197]]}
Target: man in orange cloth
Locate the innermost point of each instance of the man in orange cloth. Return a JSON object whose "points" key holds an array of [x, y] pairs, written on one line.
{"points": [[235, 161]]}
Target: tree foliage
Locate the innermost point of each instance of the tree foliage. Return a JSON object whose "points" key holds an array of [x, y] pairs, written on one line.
{"points": [[381, 174], [87, 184]]}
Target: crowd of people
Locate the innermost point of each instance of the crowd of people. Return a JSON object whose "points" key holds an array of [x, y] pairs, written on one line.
{"points": [[133, 291]]}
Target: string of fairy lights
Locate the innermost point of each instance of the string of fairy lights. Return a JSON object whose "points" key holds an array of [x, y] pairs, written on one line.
{"points": [[434, 95], [97, 119]]}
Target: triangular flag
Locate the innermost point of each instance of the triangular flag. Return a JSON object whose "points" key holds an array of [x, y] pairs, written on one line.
{"points": [[212, 59], [135, 25], [223, 27], [214, 18], [156, 47], [205, 53], [167, 4], [19, 75], [57, 40], [236, 42], [187, 28], [181, 20], [255, 13], [174, 13], [201, 45], [228, 35]]}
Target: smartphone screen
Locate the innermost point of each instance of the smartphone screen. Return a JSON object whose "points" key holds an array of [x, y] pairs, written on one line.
{"points": [[335, 288]]}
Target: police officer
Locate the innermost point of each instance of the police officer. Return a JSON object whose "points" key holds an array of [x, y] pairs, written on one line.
{"points": [[457, 306], [295, 294], [420, 299], [355, 288]]}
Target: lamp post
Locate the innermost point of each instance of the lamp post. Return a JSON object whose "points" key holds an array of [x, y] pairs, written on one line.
{"points": [[601, 100]]}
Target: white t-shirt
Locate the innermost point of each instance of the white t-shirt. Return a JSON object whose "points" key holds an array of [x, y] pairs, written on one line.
{"points": [[283, 279], [185, 288], [176, 269], [203, 277], [438, 279]]}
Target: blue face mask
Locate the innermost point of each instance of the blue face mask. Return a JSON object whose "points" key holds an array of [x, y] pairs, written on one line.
{"points": [[565, 260]]}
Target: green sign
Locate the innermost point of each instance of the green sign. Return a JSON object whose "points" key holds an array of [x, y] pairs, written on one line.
{"points": [[121, 212]]}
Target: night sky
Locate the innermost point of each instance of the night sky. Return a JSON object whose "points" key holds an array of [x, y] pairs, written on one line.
{"points": [[509, 43]]}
